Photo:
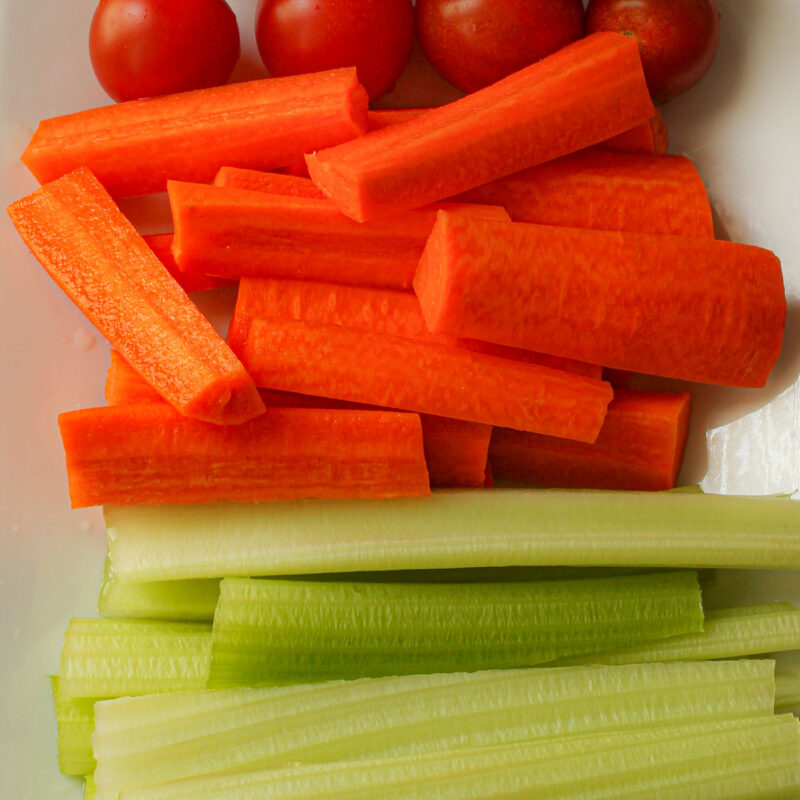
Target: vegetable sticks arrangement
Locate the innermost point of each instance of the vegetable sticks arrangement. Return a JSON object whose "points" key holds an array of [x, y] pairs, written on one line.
{"points": [[282, 586]]}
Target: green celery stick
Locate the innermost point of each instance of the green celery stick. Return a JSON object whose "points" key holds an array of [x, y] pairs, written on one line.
{"points": [[89, 788], [75, 720], [287, 631], [196, 600], [110, 657], [159, 738], [187, 601], [584, 766], [454, 529], [729, 633], [787, 690]]}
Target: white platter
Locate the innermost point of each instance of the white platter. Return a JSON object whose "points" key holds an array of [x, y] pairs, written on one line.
{"points": [[740, 125]]}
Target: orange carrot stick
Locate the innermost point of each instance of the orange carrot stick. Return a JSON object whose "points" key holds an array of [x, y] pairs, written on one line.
{"points": [[383, 370], [640, 448], [268, 182], [455, 451], [365, 308], [161, 245], [233, 233], [648, 137], [96, 256], [134, 147], [379, 119], [151, 454], [587, 92], [606, 190], [695, 309]]}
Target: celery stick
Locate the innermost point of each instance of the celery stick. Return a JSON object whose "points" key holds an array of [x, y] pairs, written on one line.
{"points": [[289, 631], [452, 529], [729, 633], [196, 600], [188, 601], [627, 759], [75, 720], [158, 738], [787, 690], [89, 788], [109, 657]]}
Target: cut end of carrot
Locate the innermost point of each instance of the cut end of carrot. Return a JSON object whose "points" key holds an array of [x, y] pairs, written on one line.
{"points": [[332, 185], [430, 280], [231, 400]]}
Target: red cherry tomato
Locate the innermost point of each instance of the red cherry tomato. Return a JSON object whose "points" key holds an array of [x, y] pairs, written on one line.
{"points": [[145, 48], [473, 43], [375, 36], [677, 38]]}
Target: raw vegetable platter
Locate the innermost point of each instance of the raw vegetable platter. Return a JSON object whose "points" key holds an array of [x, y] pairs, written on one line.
{"points": [[739, 125]]}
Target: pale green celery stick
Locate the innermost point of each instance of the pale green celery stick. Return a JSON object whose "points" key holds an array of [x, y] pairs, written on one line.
{"points": [[110, 657], [155, 739], [287, 631], [89, 788], [787, 690], [453, 529], [729, 633], [75, 720], [642, 757], [164, 600]]}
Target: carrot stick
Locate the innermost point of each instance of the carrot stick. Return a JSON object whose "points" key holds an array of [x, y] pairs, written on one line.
{"points": [[455, 451], [96, 256], [383, 370], [648, 137], [587, 92], [297, 167], [695, 309], [268, 182], [379, 119], [125, 386], [151, 454], [640, 448], [134, 147], [233, 233], [161, 245], [365, 308], [606, 190]]}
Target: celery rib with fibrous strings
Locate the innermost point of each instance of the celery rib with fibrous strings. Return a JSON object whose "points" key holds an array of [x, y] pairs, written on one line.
{"points": [[289, 631], [728, 633], [110, 658], [196, 599], [75, 722], [159, 738], [787, 690], [192, 601], [454, 529], [595, 766]]}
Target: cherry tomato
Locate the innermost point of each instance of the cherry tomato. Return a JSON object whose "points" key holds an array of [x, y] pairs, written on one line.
{"points": [[473, 43], [375, 36], [144, 48], [677, 38]]}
